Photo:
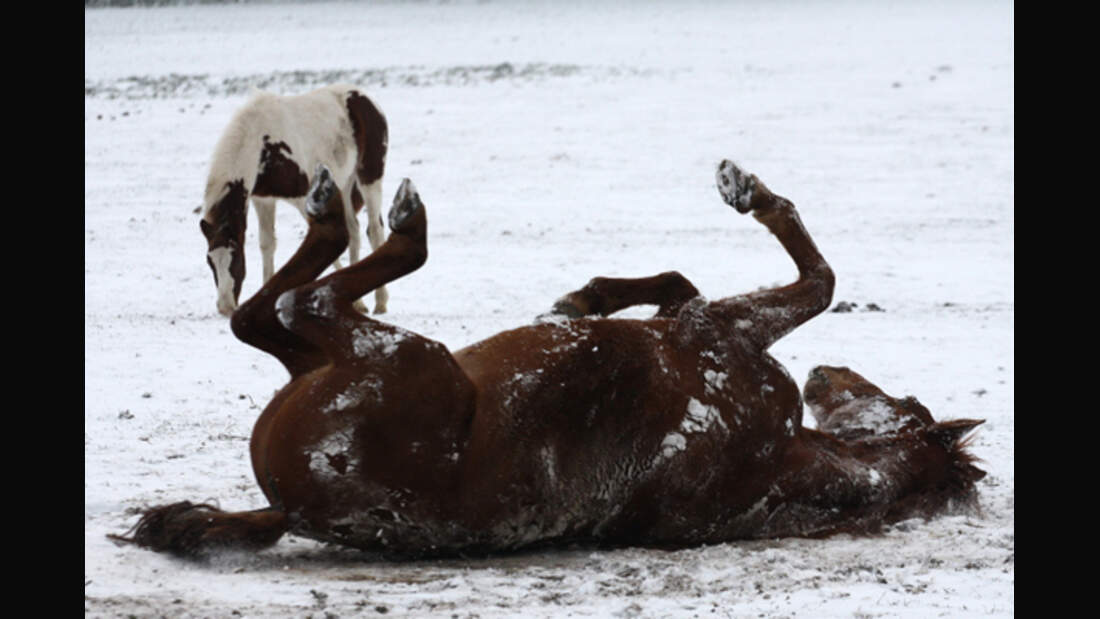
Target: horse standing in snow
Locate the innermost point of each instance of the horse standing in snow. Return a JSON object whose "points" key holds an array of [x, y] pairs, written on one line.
{"points": [[264, 154], [671, 431]]}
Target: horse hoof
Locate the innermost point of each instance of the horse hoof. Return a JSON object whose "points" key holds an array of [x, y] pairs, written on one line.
{"points": [[360, 307], [405, 203], [320, 193], [735, 186]]}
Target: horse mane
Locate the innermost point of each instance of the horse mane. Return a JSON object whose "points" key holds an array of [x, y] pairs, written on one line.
{"points": [[955, 493]]}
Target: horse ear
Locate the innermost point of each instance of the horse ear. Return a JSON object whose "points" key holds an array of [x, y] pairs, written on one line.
{"points": [[915, 408], [948, 433], [973, 473], [206, 227]]}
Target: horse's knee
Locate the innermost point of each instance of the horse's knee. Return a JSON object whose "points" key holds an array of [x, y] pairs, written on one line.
{"points": [[824, 283], [678, 286]]}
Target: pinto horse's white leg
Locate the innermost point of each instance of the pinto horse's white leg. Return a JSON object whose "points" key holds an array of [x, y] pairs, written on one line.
{"points": [[265, 215], [351, 220], [376, 234]]}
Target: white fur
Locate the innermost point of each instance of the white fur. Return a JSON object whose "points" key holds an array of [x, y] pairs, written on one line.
{"points": [[317, 129], [220, 257]]}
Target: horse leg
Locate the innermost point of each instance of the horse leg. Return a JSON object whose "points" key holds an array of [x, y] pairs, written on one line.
{"points": [[265, 215], [256, 321], [603, 296], [192, 530], [322, 311], [376, 234], [353, 201], [767, 315]]}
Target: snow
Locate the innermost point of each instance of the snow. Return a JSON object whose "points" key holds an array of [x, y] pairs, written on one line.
{"points": [[700, 418], [552, 142]]}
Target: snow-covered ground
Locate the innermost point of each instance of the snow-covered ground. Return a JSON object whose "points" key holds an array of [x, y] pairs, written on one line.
{"points": [[551, 142]]}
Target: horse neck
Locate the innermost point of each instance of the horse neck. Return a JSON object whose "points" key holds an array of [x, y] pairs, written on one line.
{"points": [[236, 156], [832, 486]]}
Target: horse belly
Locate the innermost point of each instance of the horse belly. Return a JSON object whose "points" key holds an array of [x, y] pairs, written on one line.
{"points": [[719, 461], [636, 438]]}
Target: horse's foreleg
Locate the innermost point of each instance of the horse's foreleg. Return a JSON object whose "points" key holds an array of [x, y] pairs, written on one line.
{"points": [[768, 315], [376, 234], [256, 321], [603, 296], [265, 215]]}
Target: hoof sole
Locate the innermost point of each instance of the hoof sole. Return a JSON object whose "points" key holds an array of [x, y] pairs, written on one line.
{"points": [[405, 203], [320, 192], [735, 186]]}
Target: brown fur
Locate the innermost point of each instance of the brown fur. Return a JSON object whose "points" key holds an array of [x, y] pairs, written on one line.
{"points": [[672, 431], [279, 176], [371, 137]]}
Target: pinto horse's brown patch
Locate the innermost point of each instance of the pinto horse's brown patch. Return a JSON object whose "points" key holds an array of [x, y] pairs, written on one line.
{"points": [[224, 227], [279, 176], [371, 137]]}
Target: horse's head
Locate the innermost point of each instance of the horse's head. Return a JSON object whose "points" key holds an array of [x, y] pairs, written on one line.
{"points": [[223, 225], [850, 406]]}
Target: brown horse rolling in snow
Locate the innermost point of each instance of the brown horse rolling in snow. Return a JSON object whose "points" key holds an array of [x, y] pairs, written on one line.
{"points": [[673, 431]]}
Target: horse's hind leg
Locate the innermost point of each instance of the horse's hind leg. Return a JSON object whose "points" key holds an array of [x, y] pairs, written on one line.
{"points": [[322, 311], [256, 321], [603, 296], [767, 315], [265, 215]]}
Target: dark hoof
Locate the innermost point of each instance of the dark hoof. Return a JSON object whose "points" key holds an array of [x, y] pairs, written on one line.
{"points": [[735, 186], [405, 204], [320, 194]]}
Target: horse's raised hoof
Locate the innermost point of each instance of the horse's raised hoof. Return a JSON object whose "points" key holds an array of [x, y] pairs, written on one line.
{"points": [[319, 202], [405, 204], [735, 186]]}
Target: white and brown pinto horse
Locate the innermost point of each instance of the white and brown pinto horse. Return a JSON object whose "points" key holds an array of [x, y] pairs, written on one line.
{"points": [[265, 153], [672, 431]]}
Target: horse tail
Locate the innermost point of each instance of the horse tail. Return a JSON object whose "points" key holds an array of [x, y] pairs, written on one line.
{"points": [[194, 530]]}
